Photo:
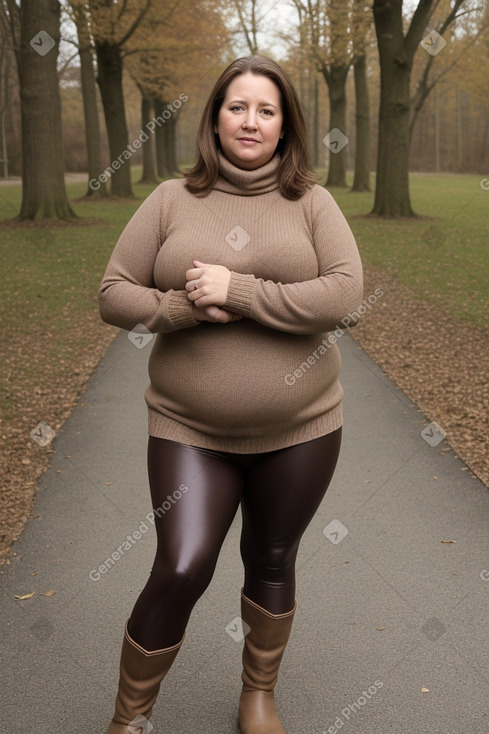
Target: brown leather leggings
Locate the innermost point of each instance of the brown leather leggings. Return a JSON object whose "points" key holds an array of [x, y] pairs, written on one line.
{"points": [[196, 493]]}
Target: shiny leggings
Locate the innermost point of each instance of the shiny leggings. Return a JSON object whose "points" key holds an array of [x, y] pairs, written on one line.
{"points": [[195, 494]]}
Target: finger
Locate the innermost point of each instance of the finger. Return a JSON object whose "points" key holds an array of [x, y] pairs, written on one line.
{"points": [[194, 273]]}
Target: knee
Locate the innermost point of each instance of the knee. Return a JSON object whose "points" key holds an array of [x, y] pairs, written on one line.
{"points": [[187, 579], [273, 557]]}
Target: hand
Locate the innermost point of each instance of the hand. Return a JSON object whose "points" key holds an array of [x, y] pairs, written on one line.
{"points": [[214, 315], [207, 284]]}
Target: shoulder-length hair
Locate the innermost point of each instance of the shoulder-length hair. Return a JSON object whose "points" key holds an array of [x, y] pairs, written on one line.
{"points": [[295, 173]]}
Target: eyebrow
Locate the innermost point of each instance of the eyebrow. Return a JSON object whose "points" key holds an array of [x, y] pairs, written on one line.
{"points": [[242, 101]]}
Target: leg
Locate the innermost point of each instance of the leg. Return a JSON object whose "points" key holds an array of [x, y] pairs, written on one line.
{"points": [[195, 496], [283, 491], [190, 533]]}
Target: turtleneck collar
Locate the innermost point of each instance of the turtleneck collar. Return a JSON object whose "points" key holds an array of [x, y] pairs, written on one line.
{"points": [[238, 181]]}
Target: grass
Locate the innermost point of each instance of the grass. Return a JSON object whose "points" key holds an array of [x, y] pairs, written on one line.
{"points": [[442, 255], [50, 275]]}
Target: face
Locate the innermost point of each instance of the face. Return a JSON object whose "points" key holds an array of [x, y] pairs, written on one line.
{"points": [[250, 120]]}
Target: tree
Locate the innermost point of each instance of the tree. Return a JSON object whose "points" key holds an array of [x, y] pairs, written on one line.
{"points": [[248, 22], [89, 92], [113, 23], [396, 55], [8, 78], [459, 47], [162, 56], [328, 25], [361, 23], [148, 175], [43, 190]]}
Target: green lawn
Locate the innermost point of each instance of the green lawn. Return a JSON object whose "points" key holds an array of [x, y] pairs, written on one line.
{"points": [[50, 276], [443, 256]]}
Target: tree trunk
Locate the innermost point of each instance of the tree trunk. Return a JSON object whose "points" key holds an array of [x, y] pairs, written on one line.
{"points": [[361, 179], [165, 140], [149, 167], [337, 121], [89, 92], [43, 185], [109, 79], [392, 198]]}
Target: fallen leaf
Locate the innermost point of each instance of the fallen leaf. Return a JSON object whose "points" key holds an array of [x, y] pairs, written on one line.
{"points": [[26, 596], [379, 629], [425, 690], [49, 593], [107, 484], [448, 541]]}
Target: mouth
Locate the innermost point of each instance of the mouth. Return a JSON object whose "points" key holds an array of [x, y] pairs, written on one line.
{"points": [[247, 140]]}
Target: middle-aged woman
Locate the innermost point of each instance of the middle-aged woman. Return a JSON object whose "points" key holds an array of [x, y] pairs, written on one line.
{"points": [[242, 268]]}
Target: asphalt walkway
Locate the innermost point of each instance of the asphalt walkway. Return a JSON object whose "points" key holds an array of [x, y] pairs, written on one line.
{"points": [[391, 632]]}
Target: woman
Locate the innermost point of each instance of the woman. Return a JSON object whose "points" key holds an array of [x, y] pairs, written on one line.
{"points": [[242, 269]]}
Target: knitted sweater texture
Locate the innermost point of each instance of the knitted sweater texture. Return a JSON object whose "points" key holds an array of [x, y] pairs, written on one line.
{"points": [[269, 380]]}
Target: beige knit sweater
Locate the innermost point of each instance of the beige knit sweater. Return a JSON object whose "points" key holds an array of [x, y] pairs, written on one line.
{"points": [[269, 380]]}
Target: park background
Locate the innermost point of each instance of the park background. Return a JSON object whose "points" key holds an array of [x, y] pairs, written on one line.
{"points": [[396, 96]]}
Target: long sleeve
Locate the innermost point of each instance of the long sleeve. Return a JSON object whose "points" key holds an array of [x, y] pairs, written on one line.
{"points": [[314, 305], [127, 295]]}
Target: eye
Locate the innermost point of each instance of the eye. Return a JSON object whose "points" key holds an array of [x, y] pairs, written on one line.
{"points": [[236, 107], [268, 112]]}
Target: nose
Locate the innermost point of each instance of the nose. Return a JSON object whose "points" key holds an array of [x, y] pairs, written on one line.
{"points": [[250, 120]]}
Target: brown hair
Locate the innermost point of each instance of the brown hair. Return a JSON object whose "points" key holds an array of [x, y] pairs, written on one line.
{"points": [[295, 172]]}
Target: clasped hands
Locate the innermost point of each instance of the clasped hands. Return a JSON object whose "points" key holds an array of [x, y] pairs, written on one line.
{"points": [[207, 287]]}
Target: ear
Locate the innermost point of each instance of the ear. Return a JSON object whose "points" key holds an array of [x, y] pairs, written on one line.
{"points": [[215, 129]]}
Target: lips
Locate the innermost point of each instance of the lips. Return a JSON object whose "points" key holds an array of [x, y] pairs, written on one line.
{"points": [[248, 140]]}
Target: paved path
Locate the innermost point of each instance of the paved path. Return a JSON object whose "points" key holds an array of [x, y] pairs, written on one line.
{"points": [[391, 633]]}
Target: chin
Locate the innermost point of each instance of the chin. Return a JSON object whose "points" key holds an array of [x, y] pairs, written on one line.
{"points": [[250, 164]]}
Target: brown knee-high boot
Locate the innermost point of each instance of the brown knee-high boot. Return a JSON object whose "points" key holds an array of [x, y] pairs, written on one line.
{"points": [[141, 673], [264, 646]]}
